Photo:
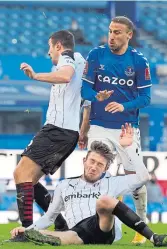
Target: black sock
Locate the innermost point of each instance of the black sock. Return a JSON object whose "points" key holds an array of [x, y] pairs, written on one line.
{"points": [[132, 220], [25, 196], [42, 196]]}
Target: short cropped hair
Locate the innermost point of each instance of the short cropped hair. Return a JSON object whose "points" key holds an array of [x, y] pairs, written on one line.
{"points": [[102, 149], [124, 20], [65, 37]]}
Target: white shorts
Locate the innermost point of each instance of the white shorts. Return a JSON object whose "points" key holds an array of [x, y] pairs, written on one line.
{"points": [[111, 138]]}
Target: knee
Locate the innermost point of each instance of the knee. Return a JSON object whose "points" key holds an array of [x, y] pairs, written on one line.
{"points": [[21, 171], [106, 204], [16, 173], [76, 239]]}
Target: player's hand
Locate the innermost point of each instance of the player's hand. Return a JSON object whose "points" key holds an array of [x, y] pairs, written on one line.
{"points": [[114, 107], [103, 95], [83, 141], [126, 136], [16, 231], [28, 70]]}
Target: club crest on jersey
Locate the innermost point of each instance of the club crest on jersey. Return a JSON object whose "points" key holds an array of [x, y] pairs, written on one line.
{"points": [[129, 71]]}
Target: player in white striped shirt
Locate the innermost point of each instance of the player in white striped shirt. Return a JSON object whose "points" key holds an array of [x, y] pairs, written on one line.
{"points": [[90, 202], [59, 136]]}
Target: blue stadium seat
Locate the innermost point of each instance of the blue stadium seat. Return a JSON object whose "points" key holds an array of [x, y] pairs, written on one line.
{"points": [[33, 25]]}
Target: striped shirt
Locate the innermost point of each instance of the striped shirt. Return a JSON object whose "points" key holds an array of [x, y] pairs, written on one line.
{"points": [[77, 197], [65, 99]]}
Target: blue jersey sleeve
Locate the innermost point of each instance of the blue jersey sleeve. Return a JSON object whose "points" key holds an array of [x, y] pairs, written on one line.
{"points": [[143, 81], [91, 67], [143, 76], [89, 77], [141, 101]]}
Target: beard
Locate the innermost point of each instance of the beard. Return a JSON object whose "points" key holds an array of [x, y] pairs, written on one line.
{"points": [[115, 49], [90, 178]]}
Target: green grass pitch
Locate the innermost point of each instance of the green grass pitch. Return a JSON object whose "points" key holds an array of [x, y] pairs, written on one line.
{"points": [[124, 243]]}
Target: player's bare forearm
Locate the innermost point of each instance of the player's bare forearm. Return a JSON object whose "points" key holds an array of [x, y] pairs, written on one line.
{"points": [[83, 139], [62, 75], [53, 77], [85, 121]]}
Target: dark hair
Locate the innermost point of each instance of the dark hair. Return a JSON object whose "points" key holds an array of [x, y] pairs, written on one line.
{"points": [[65, 37], [124, 20], [102, 149]]}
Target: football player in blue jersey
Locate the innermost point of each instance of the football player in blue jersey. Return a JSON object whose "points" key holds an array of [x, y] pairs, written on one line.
{"points": [[120, 68]]}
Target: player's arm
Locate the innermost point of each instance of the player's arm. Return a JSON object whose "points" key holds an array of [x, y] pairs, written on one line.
{"points": [[55, 207], [82, 142], [85, 119], [89, 80], [143, 80], [63, 75], [141, 101], [128, 183], [89, 77]]}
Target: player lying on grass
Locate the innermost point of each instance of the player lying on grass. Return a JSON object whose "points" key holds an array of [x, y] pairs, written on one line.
{"points": [[90, 202]]}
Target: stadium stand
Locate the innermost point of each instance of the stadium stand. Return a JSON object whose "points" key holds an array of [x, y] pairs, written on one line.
{"points": [[21, 26]]}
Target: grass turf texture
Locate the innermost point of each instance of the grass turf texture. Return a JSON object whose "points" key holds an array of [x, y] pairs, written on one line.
{"points": [[124, 243]]}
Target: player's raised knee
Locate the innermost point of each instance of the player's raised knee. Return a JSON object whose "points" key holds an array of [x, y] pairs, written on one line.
{"points": [[23, 171], [16, 173], [106, 204]]}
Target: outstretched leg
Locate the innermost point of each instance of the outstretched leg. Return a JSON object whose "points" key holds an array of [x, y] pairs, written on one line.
{"points": [[53, 238]]}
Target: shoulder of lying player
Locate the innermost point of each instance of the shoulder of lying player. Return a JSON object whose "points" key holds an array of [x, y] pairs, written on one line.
{"points": [[64, 182], [74, 177]]}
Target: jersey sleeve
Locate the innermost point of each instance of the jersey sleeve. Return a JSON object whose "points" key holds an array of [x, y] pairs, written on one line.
{"points": [[126, 184], [143, 77], [87, 103], [90, 70], [66, 60], [121, 185], [55, 207], [89, 77]]}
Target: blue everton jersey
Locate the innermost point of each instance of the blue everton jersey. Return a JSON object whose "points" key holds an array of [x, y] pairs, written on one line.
{"points": [[128, 75]]}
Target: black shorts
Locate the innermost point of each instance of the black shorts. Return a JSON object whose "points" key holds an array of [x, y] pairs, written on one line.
{"points": [[89, 231], [51, 146]]}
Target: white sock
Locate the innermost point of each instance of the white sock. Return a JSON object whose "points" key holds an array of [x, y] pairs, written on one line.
{"points": [[140, 200]]}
